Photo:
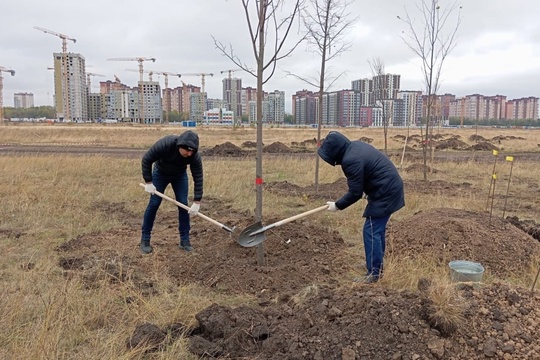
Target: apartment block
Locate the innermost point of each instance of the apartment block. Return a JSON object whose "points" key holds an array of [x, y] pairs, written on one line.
{"points": [[275, 107], [248, 94], [410, 114], [71, 93], [386, 86], [365, 89], [151, 109], [480, 107], [232, 95], [305, 107], [23, 100]]}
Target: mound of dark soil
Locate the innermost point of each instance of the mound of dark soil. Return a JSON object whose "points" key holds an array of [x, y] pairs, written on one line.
{"points": [[477, 138], [484, 145], [226, 149], [277, 148], [452, 234], [454, 144], [372, 323]]}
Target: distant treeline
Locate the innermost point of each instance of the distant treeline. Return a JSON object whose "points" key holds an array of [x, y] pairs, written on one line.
{"points": [[496, 122], [30, 113]]}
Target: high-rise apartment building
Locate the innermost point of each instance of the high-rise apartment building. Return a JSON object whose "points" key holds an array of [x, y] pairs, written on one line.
{"points": [[386, 86], [71, 103], [364, 87], [23, 100], [248, 95], [232, 95], [275, 107], [480, 107], [305, 107], [409, 113], [151, 109], [180, 99]]}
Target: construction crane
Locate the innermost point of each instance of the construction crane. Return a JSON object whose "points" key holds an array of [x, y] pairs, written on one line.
{"points": [[140, 60], [88, 81], [12, 72], [233, 97], [201, 108], [167, 91], [149, 72], [65, 90]]}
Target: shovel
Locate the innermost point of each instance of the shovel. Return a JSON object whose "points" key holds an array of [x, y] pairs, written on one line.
{"points": [[253, 235], [185, 207]]}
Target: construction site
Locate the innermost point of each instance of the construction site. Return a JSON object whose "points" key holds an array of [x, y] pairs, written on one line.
{"points": [[147, 103]]}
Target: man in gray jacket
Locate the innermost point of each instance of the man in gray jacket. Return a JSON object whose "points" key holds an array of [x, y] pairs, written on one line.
{"points": [[368, 171], [166, 163]]}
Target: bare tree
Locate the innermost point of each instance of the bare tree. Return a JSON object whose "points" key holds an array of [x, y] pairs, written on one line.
{"points": [[381, 96], [326, 23], [431, 41], [266, 30]]}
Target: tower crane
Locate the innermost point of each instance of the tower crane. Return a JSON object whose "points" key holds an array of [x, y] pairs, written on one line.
{"points": [[88, 81], [140, 60], [12, 72], [167, 91], [65, 91], [201, 98], [233, 98], [149, 72]]}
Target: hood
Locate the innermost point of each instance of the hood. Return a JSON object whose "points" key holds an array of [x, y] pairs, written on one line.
{"points": [[333, 148], [188, 138]]}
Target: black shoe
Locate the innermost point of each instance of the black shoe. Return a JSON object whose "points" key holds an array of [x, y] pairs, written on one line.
{"points": [[368, 279], [186, 246], [145, 247]]}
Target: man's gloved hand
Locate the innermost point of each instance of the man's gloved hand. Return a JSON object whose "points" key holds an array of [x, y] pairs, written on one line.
{"points": [[150, 188], [194, 209], [331, 206]]}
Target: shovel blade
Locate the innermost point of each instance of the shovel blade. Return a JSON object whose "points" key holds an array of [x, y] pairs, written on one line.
{"points": [[247, 240]]}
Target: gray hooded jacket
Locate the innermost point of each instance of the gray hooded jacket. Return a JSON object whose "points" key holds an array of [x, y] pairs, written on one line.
{"points": [[368, 171], [164, 155]]}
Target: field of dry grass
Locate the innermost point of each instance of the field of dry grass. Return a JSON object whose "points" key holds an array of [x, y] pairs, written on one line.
{"points": [[50, 199]]}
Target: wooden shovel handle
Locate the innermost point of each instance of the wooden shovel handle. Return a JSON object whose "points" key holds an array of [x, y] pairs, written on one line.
{"points": [[288, 220], [185, 207]]}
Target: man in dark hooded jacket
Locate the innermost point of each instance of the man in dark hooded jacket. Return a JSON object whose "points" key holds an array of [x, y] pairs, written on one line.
{"points": [[368, 171], [169, 157]]}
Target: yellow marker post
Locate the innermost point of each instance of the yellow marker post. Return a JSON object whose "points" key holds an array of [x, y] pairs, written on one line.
{"points": [[511, 160], [492, 182]]}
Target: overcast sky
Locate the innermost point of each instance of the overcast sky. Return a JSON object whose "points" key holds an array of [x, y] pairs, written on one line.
{"points": [[497, 50]]}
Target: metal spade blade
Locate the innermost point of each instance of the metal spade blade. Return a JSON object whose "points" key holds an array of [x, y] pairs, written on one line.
{"points": [[247, 240]]}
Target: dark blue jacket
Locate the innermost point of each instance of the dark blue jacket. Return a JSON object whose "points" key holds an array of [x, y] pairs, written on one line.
{"points": [[368, 171], [164, 155]]}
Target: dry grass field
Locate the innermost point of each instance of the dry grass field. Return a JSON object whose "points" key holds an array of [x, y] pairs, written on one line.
{"points": [[67, 218]]}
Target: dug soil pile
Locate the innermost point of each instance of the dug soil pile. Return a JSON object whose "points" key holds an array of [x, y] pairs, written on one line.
{"points": [[451, 234]]}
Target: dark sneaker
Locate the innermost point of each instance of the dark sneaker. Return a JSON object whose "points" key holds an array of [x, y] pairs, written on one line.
{"points": [[186, 246], [145, 247], [368, 279]]}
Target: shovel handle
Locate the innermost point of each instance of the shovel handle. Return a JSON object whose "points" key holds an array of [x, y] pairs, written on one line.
{"points": [[185, 207], [288, 220]]}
